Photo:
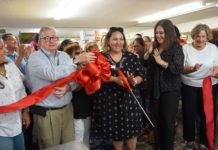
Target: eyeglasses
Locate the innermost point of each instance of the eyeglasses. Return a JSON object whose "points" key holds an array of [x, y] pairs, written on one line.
{"points": [[48, 38]]}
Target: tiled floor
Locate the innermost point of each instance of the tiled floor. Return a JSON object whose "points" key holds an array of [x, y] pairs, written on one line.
{"points": [[143, 143]]}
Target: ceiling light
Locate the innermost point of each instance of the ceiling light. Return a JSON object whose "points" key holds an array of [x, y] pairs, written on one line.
{"points": [[70, 8], [176, 11]]}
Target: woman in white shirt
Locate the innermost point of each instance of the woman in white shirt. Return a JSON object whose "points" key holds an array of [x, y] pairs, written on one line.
{"points": [[11, 90], [200, 61]]}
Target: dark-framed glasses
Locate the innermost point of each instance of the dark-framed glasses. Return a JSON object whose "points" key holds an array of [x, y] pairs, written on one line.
{"points": [[48, 38]]}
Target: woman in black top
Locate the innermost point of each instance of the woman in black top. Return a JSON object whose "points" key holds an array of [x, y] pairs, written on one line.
{"points": [[166, 65]]}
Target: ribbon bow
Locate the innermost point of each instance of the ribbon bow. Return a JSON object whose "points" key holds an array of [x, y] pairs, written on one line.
{"points": [[90, 78]]}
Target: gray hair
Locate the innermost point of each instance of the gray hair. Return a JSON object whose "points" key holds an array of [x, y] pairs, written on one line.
{"points": [[44, 28], [201, 27]]}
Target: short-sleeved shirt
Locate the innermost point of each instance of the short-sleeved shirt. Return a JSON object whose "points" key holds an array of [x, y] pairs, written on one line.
{"points": [[14, 90], [116, 114], [208, 57]]}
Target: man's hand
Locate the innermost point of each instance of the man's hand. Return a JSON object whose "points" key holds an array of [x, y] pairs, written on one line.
{"points": [[28, 51], [61, 91], [21, 50]]}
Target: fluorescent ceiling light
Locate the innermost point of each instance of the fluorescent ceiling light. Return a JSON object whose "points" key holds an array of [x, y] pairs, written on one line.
{"points": [[70, 8], [176, 11]]}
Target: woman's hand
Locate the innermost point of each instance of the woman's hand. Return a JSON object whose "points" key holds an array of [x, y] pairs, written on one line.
{"points": [[197, 67], [117, 80], [190, 69], [131, 79], [146, 55], [157, 57], [159, 60], [215, 71]]}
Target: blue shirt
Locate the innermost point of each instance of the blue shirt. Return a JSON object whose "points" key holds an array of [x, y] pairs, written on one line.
{"points": [[43, 68], [13, 57]]}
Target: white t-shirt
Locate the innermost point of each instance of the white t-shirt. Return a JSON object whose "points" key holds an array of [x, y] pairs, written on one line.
{"points": [[208, 57], [10, 123]]}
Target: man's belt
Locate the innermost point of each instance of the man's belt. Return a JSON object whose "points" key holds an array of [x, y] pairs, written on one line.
{"points": [[41, 111]]}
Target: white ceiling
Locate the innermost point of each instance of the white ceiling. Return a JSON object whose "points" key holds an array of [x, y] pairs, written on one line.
{"points": [[30, 15]]}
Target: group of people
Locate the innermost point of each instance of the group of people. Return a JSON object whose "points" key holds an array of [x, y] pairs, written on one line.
{"points": [[159, 74]]}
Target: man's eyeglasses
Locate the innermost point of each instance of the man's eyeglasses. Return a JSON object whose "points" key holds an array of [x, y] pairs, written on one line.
{"points": [[48, 38]]}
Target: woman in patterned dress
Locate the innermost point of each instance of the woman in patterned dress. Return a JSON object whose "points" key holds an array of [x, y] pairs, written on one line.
{"points": [[116, 114]]}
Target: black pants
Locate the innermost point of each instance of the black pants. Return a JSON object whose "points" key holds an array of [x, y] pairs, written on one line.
{"points": [[164, 111], [193, 113]]}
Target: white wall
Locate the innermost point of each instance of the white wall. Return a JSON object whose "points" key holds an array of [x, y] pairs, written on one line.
{"points": [[184, 27]]}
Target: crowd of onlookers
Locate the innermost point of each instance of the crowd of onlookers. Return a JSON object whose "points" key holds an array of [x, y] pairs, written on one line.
{"points": [[161, 71]]}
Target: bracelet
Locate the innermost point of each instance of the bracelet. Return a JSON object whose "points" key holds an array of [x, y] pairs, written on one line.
{"points": [[164, 64]]}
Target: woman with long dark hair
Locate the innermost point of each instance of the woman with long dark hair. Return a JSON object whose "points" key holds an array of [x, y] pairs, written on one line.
{"points": [[166, 66]]}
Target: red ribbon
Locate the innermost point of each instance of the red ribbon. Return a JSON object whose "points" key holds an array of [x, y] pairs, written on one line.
{"points": [[125, 81], [209, 110], [90, 78]]}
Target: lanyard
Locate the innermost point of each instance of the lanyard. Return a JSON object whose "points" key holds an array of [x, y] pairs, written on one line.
{"points": [[52, 63]]}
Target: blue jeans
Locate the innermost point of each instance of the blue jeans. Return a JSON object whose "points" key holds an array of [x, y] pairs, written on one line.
{"points": [[12, 143]]}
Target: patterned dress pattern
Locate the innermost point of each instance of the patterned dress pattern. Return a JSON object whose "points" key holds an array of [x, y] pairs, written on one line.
{"points": [[116, 115]]}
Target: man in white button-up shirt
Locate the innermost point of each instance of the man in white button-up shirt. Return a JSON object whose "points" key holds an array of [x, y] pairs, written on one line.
{"points": [[53, 116]]}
